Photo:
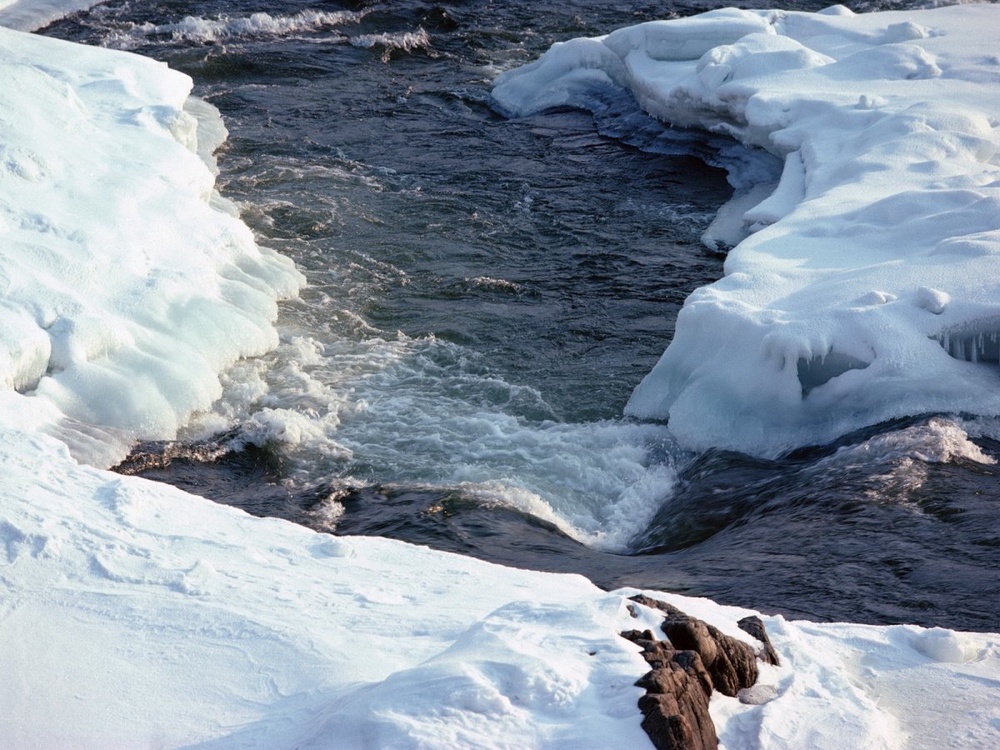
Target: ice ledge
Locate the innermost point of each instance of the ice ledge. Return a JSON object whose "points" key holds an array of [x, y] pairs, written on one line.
{"points": [[128, 284], [858, 293], [31, 15]]}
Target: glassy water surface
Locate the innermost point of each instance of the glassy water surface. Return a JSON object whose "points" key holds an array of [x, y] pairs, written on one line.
{"points": [[483, 296]]}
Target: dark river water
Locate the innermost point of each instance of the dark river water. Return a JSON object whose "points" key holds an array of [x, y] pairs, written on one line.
{"points": [[483, 296]]}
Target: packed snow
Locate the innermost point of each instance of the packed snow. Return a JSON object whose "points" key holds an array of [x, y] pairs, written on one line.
{"points": [[28, 15], [134, 615], [865, 284]]}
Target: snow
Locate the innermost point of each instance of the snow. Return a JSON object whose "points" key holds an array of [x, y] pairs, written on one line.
{"points": [[865, 287], [30, 15], [117, 250], [135, 615]]}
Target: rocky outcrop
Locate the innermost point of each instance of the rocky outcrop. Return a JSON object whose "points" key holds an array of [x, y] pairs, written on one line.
{"points": [[731, 663], [696, 658], [675, 706]]}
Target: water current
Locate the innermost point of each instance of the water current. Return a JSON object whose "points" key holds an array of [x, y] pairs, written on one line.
{"points": [[483, 296]]}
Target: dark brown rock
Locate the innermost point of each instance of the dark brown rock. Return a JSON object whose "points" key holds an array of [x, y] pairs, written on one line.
{"points": [[684, 670], [667, 731], [676, 715], [755, 627], [670, 728], [654, 651], [675, 707], [732, 664], [691, 663]]}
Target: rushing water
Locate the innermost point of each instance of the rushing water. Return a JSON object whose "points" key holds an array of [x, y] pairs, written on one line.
{"points": [[483, 296]]}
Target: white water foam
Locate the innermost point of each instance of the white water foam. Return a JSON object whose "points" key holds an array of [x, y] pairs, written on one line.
{"points": [[230, 28], [425, 412], [257, 26], [407, 41], [895, 463]]}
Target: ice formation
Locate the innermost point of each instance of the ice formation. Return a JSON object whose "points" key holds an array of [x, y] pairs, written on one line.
{"points": [[867, 287], [128, 284]]}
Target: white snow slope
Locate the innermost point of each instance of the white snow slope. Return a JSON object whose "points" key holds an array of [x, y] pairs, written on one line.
{"points": [[133, 615], [868, 286]]}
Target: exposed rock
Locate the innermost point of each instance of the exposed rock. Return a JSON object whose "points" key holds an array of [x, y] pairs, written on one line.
{"points": [[732, 664], [691, 663], [675, 707], [678, 724], [684, 670], [755, 627]]}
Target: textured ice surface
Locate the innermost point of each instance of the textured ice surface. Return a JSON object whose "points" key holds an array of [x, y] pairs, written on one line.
{"points": [[127, 283], [867, 287]]}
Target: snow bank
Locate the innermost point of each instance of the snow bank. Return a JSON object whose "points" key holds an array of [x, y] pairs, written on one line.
{"points": [[127, 283], [134, 615], [867, 287]]}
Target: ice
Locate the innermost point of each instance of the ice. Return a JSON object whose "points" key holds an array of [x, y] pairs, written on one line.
{"points": [[128, 283], [866, 287], [135, 615], [28, 15]]}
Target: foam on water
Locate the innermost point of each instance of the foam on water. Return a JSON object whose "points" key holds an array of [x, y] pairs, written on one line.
{"points": [[429, 412], [231, 28], [407, 41], [897, 462], [308, 25]]}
